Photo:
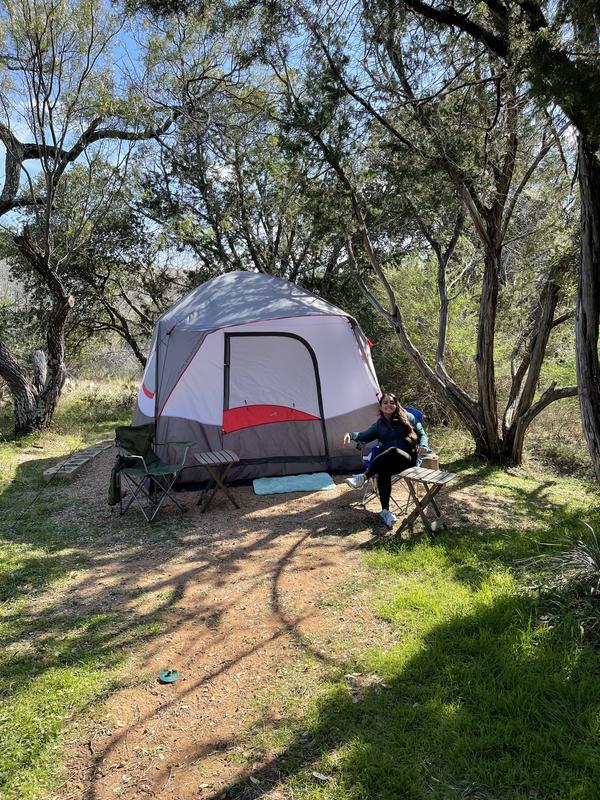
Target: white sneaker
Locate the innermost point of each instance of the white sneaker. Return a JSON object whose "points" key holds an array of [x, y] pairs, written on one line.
{"points": [[387, 517], [356, 481]]}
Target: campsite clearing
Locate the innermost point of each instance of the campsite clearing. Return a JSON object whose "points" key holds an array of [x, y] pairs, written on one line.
{"points": [[248, 600], [308, 670]]}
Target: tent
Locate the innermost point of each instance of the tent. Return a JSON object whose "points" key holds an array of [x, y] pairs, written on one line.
{"points": [[255, 364]]}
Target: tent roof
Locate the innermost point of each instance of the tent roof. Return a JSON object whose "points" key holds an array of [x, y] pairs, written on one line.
{"points": [[236, 298]]}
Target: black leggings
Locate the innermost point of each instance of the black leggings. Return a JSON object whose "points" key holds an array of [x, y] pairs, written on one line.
{"points": [[386, 464]]}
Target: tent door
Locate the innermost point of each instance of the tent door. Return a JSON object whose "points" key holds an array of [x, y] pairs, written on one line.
{"points": [[273, 409]]}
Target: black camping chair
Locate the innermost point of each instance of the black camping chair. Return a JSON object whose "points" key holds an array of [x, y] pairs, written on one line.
{"points": [[143, 472]]}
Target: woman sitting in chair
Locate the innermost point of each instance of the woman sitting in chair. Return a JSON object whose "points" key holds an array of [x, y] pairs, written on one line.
{"points": [[402, 439]]}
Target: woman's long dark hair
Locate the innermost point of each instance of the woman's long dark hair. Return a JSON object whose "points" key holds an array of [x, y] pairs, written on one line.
{"points": [[400, 416]]}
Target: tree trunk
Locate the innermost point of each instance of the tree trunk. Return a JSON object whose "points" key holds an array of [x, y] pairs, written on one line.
{"points": [[24, 403], [23, 391], [512, 443], [26, 408], [486, 378], [588, 299], [40, 370], [35, 404], [521, 409], [33, 410]]}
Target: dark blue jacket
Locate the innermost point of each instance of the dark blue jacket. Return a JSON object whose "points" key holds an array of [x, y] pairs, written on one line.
{"points": [[392, 434]]}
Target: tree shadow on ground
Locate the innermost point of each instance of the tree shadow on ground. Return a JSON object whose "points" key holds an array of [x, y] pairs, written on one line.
{"points": [[91, 620], [487, 709], [84, 586], [87, 544]]}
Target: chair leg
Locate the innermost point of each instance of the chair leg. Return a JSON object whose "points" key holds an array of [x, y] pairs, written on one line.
{"points": [[165, 491], [137, 489], [402, 509], [163, 485], [369, 492]]}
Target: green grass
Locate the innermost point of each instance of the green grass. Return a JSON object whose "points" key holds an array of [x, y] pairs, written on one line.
{"points": [[54, 659], [479, 697]]}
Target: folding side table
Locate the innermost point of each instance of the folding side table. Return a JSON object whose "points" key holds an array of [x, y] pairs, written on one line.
{"points": [[433, 480], [217, 463]]}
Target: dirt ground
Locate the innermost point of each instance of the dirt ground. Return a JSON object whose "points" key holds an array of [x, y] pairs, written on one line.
{"points": [[254, 602]]}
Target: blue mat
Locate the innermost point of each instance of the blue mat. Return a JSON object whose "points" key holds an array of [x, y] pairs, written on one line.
{"points": [[315, 482]]}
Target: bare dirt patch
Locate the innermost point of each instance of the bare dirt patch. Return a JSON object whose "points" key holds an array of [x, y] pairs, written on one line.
{"points": [[256, 605]]}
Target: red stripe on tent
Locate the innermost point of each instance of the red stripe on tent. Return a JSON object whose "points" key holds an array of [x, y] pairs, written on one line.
{"points": [[234, 419], [147, 392]]}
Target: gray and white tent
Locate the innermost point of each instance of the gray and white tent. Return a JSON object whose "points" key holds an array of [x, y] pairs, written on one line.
{"points": [[252, 363]]}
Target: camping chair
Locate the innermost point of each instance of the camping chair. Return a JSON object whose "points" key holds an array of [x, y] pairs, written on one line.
{"points": [[370, 488], [370, 491], [144, 473]]}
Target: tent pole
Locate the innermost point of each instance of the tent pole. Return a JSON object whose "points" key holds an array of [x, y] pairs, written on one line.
{"points": [[156, 384]]}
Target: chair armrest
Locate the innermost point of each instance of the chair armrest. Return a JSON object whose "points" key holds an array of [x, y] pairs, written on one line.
{"points": [[187, 446], [124, 453]]}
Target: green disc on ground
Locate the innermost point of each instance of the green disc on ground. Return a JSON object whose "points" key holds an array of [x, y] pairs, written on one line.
{"points": [[168, 676]]}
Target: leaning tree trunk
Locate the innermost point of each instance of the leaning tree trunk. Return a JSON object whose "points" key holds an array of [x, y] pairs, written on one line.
{"points": [[24, 393], [36, 396], [33, 405], [33, 409], [588, 299], [56, 373], [35, 402], [521, 408]]}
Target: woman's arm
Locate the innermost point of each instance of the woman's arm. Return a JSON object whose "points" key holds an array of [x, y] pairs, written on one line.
{"points": [[368, 435]]}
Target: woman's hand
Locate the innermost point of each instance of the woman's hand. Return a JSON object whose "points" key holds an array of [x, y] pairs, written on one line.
{"points": [[422, 449], [347, 438]]}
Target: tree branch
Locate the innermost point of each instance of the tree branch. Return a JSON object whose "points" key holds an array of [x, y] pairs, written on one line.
{"points": [[550, 395], [448, 16]]}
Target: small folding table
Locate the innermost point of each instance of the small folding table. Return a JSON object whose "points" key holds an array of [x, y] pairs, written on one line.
{"points": [[433, 480], [217, 463]]}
